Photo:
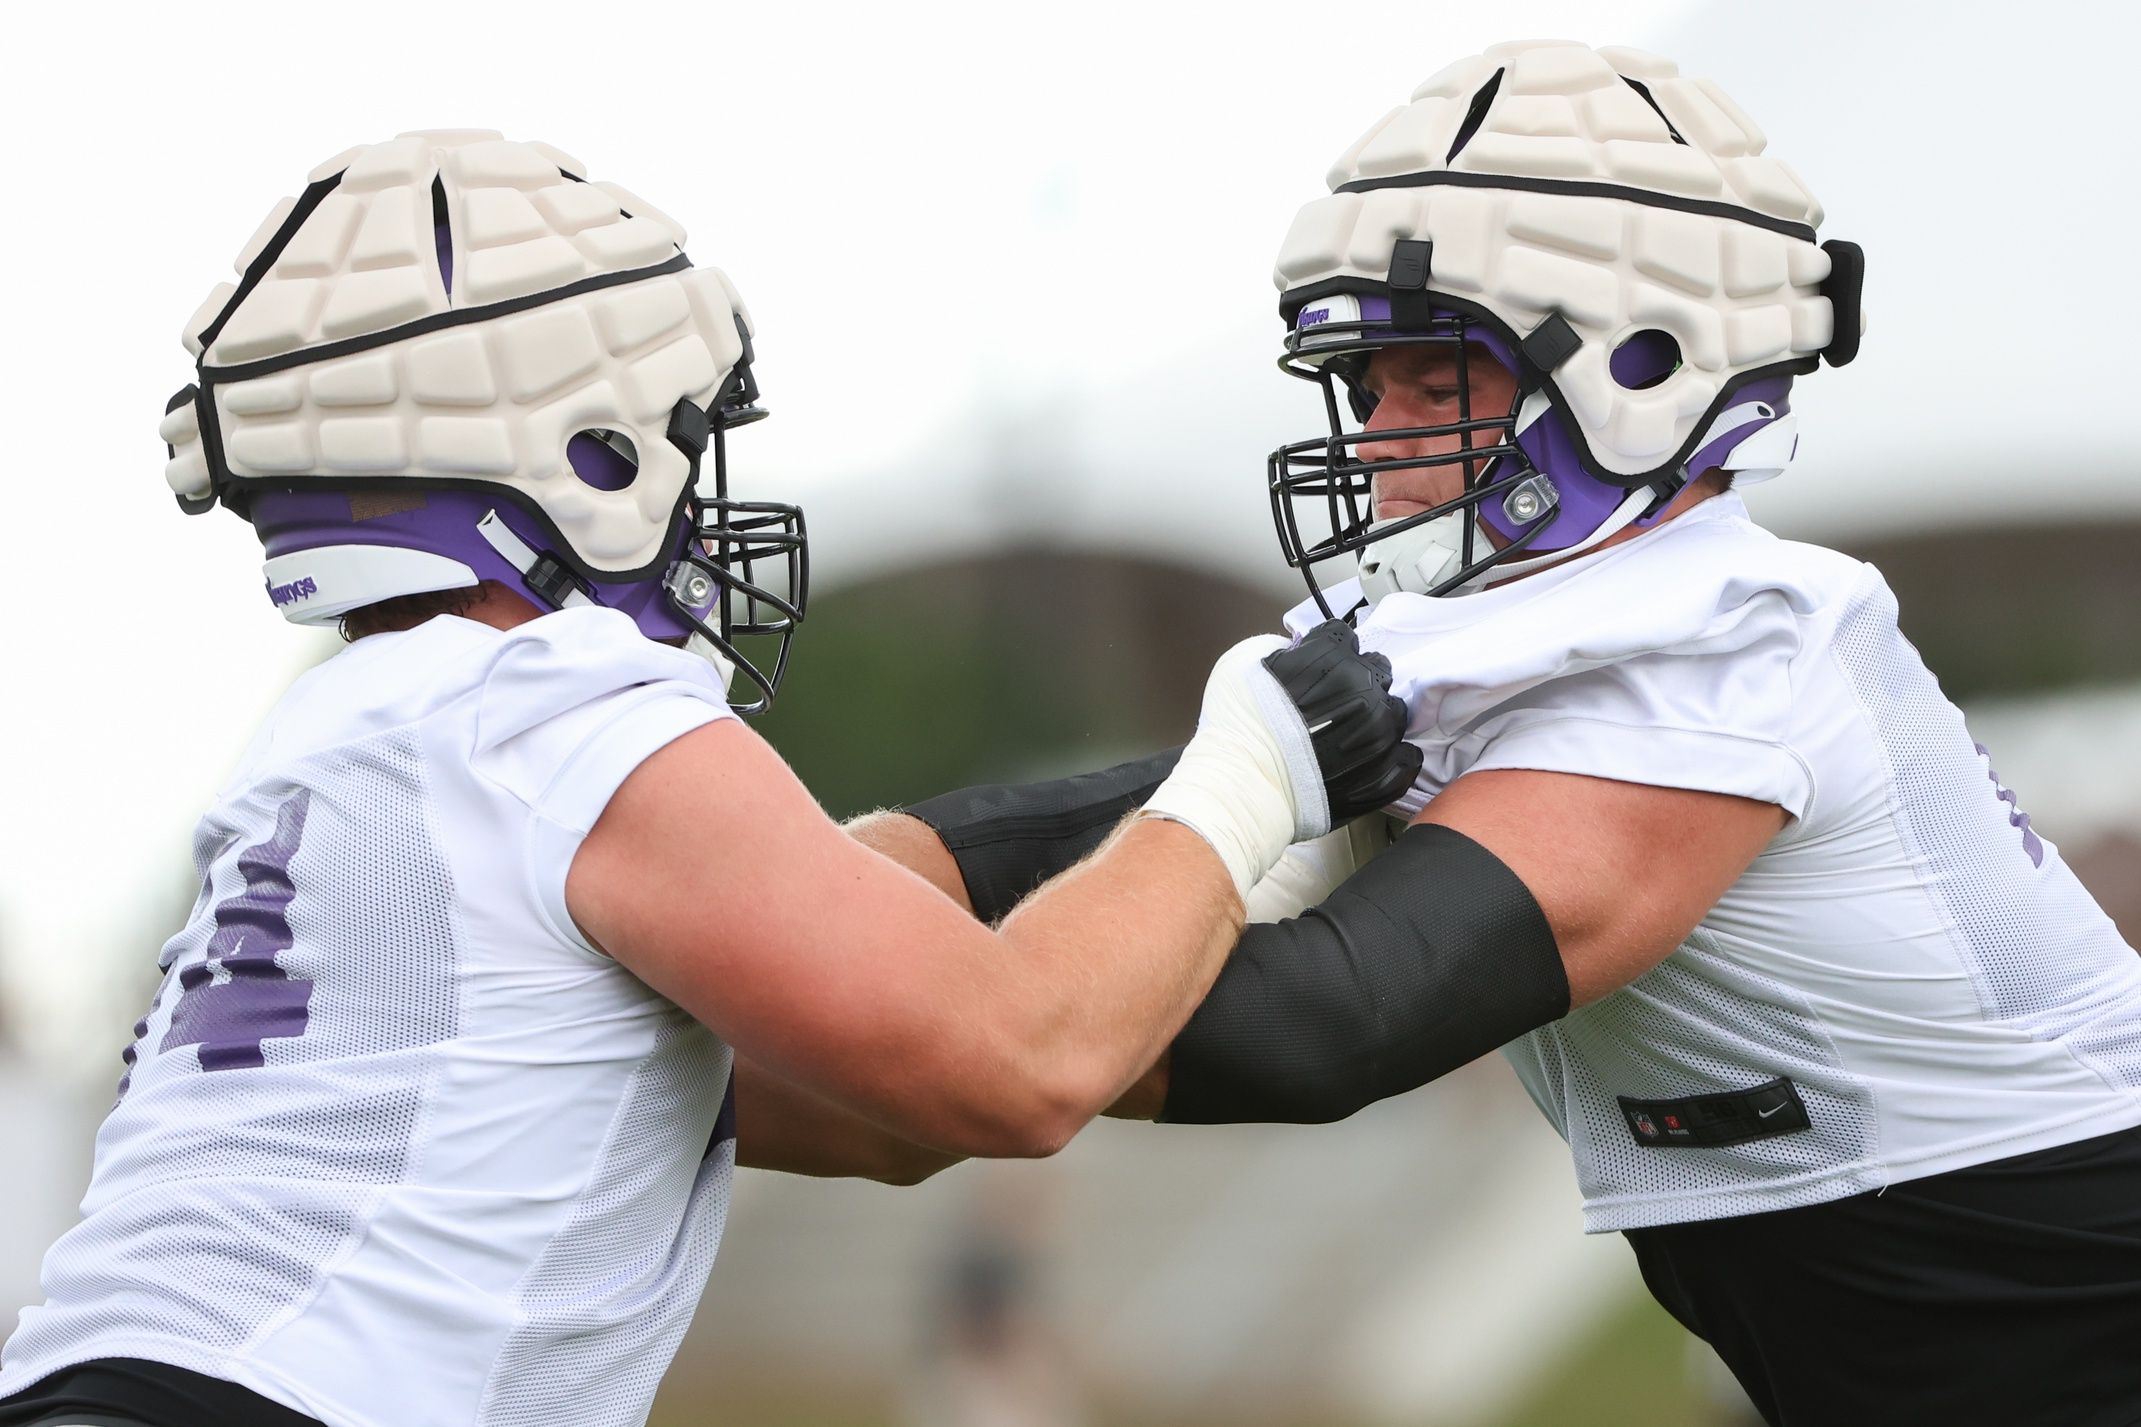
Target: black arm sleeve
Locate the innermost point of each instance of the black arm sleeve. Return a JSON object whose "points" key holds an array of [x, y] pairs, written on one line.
{"points": [[1010, 838], [1428, 957]]}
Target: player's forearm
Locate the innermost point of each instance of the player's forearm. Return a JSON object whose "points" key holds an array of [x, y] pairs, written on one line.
{"points": [[921, 849], [1010, 1052], [1309, 872], [916, 846], [1129, 941], [781, 1126], [995, 1043]]}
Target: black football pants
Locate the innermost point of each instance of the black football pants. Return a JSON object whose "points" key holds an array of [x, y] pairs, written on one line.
{"points": [[123, 1392], [2008, 1293]]}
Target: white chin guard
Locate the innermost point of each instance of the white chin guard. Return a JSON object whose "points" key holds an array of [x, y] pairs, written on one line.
{"points": [[700, 645], [1417, 560]]}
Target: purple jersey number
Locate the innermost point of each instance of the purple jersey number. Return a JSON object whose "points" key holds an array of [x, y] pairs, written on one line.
{"points": [[237, 996], [2031, 843]]}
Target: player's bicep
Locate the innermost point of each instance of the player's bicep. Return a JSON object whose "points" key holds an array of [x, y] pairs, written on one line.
{"points": [[718, 880], [1623, 871]]}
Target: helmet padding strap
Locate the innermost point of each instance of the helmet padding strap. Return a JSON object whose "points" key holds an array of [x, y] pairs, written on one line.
{"points": [[545, 575]]}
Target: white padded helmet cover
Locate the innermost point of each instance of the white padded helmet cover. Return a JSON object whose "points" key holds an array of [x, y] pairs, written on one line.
{"points": [[1735, 294], [493, 397]]}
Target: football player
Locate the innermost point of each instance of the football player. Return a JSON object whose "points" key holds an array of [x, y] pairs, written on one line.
{"points": [[431, 1121], [1836, 1039]]}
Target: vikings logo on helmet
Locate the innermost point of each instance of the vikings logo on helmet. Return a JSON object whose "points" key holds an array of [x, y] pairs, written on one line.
{"points": [[1609, 232], [453, 358]]}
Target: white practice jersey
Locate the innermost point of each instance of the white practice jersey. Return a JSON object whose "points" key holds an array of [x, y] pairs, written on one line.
{"points": [[1908, 979], [397, 1147]]}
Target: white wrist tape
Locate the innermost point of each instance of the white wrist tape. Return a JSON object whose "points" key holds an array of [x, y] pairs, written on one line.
{"points": [[1311, 871], [1248, 783]]}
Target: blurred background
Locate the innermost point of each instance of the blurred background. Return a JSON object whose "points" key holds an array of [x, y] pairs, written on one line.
{"points": [[1011, 271]]}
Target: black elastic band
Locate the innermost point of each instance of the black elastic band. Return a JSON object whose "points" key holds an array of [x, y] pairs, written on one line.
{"points": [[1432, 955], [1010, 838]]}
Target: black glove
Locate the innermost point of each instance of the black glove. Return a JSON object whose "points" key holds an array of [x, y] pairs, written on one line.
{"points": [[1356, 725]]}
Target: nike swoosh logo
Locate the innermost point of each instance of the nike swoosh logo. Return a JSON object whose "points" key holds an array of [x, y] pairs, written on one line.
{"points": [[1765, 1114]]}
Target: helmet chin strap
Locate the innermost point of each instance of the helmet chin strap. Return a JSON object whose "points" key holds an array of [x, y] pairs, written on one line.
{"points": [[565, 594], [1623, 515], [545, 575], [1420, 560]]}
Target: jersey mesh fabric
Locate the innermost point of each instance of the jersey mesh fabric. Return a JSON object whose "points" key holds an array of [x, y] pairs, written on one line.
{"points": [[1692, 1025], [1922, 966], [379, 1096], [292, 1168], [2048, 961], [605, 1306]]}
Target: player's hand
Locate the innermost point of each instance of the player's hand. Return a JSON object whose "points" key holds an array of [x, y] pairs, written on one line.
{"points": [[1356, 725], [1286, 734]]}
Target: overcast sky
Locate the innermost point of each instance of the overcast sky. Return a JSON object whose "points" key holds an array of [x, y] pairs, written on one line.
{"points": [[1011, 270]]}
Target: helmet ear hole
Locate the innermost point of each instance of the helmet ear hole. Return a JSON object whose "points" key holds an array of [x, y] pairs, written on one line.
{"points": [[1645, 359], [604, 459]]}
